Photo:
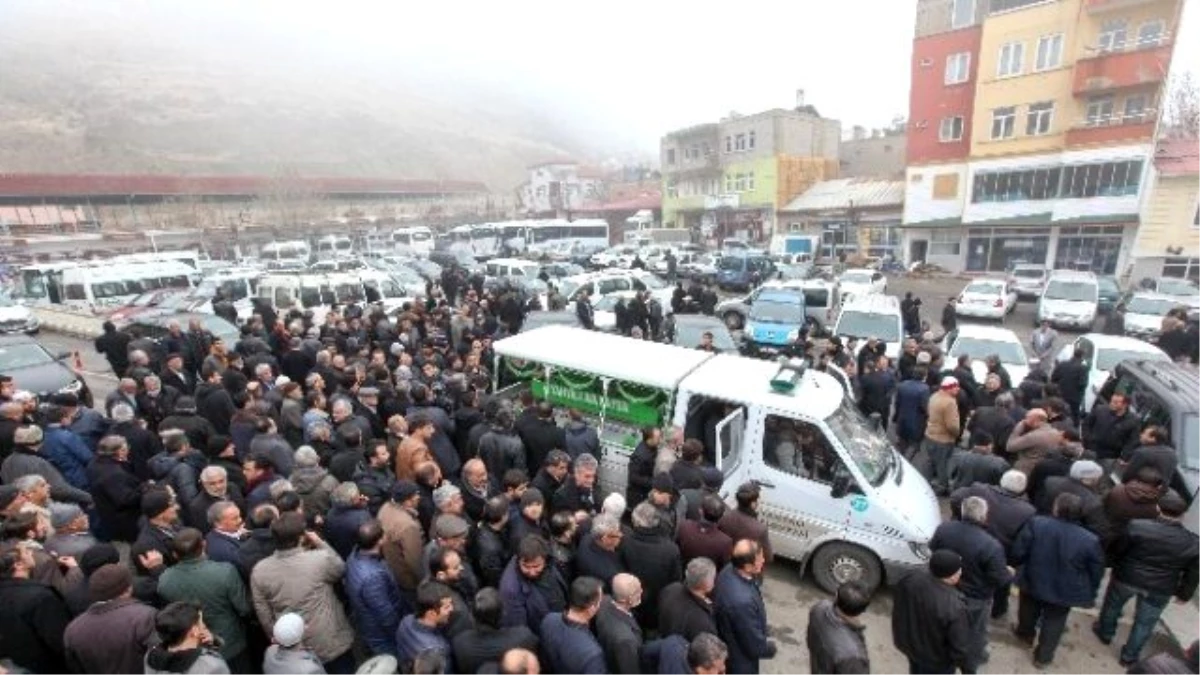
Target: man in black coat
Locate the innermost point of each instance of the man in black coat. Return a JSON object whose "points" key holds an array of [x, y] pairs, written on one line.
{"points": [[583, 309], [616, 628], [1071, 377], [143, 444], [597, 555], [984, 569], [487, 641], [929, 620], [878, 384], [33, 616], [685, 608], [640, 471], [214, 403], [950, 315], [542, 435], [1155, 560], [1110, 430], [117, 491], [652, 556], [578, 492], [114, 345], [198, 429]]}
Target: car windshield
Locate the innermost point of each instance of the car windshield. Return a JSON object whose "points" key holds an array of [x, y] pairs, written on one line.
{"points": [[886, 327], [607, 303], [17, 356], [1029, 273], [869, 450], [1010, 353], [1191, 441], [1177, 287], [856, 278], [539, 319], [778, 309], [1154, 306], [688, 334], [1075, 291], [6, 301], [985, 288], [1107, 359], [568, 288], [1109, 286], [652, 282], [732, 263]]}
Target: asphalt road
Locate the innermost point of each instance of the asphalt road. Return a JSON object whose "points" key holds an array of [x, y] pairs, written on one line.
{"points": [[789, 597]]}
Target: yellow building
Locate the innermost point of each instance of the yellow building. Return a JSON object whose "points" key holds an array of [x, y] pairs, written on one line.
{"points": [[1168, 241]]}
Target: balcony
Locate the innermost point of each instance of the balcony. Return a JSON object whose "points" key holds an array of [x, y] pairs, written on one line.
{"points": [[1105, 6], [1135, 65], [1113, 129]]}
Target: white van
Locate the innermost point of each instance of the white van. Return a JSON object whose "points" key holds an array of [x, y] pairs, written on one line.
{"points": [[239, 285], [108, 285], [511, 267], [334, 246], [872, 316], [286, 252], [1069, 300], [847, 505], [417, 240]]}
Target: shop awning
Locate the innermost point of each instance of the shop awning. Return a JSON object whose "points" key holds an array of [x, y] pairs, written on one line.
{"points": [[941, 224]]}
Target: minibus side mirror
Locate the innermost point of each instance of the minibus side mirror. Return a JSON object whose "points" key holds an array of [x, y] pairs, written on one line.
{"points": [[843, 484]]}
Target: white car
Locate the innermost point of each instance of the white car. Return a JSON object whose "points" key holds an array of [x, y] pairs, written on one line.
{"points": [[859, 282], [611, 281], [1184, 290], [604, 309], [1144, 313], [980, 342], [617, 256], [1028, 280], [16, 318], [1069, 299], [986, 299], [1106, 352]]}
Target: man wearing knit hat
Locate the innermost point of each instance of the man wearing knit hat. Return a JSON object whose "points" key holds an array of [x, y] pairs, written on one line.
{"points": [[71, 536], [111, 636], [154, 540], [1083, 482], [288, 656], [929, 619]]}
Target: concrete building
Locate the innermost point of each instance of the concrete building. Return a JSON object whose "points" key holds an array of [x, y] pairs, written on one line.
{"points": [[729, 178], [556, 188], [878, 153], [1168, 241], [1031, 130], [851, 216]]}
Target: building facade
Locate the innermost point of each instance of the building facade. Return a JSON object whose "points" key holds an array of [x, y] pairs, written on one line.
{"points": [[879, 153], [1168, 241], [1031, 130], [729, 179], [558, 187], [849, 217]]}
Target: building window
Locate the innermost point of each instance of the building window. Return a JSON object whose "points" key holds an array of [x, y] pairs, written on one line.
{"points": [[1150, 34], [1099, 110], [1012, 55], [739, 182], [1104, 179], [1135, 108], [945, 186], [1112, 35], [750, 140], [1003, 122], [750, 182], [672, 189], [958, 68], [670, 155], [707, 149], [951, 129], [1182, 268], [962, 14], [945, 242], [998, 6], [729, 144], [728, 182], [740, 142], [1037, 123], [1049, 52], [1022, 185]]}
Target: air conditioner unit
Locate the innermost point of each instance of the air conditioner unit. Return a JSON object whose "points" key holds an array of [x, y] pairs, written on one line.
{"points": [[922, 124], [926, 63]]}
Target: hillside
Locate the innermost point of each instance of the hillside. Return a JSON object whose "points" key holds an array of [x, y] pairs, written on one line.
{"points": [[112, 93]]}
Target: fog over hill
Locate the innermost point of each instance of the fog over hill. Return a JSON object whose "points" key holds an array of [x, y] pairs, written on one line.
{"points": [[140, 86]]}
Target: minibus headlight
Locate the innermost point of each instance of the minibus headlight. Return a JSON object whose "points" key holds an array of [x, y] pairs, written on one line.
{"points": [[919, 549]]}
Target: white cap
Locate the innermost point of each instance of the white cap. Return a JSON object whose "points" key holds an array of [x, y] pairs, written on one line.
{"points": [[949, 382], [282, 380], [289, 629]]}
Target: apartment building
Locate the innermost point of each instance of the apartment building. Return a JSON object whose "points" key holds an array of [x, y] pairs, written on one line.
{"points": [[1031, 130], [1168, 240], [730, 178], [557, 187]]}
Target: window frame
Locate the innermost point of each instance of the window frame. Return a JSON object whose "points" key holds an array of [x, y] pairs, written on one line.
{"points": [[1007, 121], [951, 138], [1109, 30], [1041, 64], [1011, 60], [1142, 42], [952, 64], [1141, 112], [739, 142], [750, 140], [955, 14], [1034, 119], [1099, 120]]}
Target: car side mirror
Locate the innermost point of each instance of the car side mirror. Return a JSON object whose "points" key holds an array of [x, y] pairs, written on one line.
{"points": [[843, 484]]}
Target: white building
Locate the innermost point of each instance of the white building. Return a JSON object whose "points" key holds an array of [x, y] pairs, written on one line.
{"points": [[558, 187]]}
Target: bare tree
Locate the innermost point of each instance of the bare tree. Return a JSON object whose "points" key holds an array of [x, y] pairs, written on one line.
{"points": [[1183, 106]]}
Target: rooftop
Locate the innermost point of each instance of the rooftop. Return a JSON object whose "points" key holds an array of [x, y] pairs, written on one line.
{"points": [[845, 193], [1178, 156], [95, 185]]}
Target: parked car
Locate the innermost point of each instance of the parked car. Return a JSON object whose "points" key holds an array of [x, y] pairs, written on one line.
{"points": [[1144, 313], [980, 342], [36, 370], [1105, 352], [1184, 289], [17, 318], [1069, 300], [859, 282], [149, 332], [1027, 280], [686, 330], [1110, 293], [986, 299]]}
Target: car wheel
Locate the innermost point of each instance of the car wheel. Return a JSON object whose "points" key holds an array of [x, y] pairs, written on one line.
{"points": [[838, 562], [733, 320]]}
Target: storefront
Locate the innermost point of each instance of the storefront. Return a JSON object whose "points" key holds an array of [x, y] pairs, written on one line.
{"points": [[1089, 247], [997, 249]]}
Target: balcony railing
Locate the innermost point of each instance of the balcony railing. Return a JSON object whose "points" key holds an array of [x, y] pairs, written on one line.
{"points": [[1102, 6], [1106, 129], [1131, 65]]}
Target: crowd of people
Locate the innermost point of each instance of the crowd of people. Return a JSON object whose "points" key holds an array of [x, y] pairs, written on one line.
{"points": [[353, 495]]}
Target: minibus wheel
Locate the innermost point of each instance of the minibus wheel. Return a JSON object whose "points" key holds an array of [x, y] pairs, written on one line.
{"points": [[838, 562]]}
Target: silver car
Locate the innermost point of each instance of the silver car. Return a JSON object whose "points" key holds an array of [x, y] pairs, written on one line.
{"points": [[1027, 280]]}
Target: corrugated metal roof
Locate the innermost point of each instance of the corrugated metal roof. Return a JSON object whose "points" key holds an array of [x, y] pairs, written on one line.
{"points": [[1178, 156], [52, 185], [841, 193]]}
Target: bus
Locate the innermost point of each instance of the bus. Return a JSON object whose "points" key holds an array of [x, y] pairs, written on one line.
{"points": [[42, 283], [334, 246], [586, 232], [480, 241], [417, 239], [293, 253], [108, 285]]}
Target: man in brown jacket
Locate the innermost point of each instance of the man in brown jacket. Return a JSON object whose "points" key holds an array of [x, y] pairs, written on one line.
{"points": [[743, 523], [941, 432], [403, 539], [1032, 439], [414, 449]]}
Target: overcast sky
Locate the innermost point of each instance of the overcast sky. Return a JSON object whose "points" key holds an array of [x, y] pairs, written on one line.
{"points": [[633, 69]]}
